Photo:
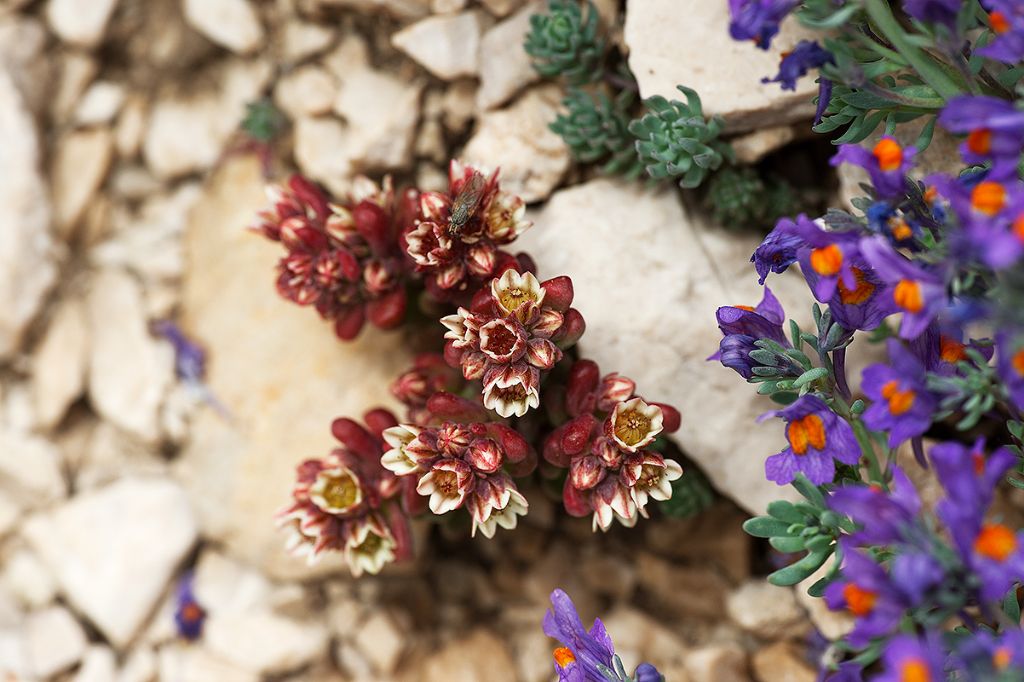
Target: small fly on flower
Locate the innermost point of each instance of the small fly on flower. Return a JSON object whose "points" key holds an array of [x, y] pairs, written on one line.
{"points": [[465, 204]]}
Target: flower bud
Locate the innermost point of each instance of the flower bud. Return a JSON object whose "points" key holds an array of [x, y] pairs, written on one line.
{"points": [[516, 447], [585, 472], [615, 389], [387, 311], [577, 434], [559, 293], [378, 419], [572, 329], [485, 455], [354, 437], [552, 449], [576, 501], [480, 259], [372, 223], [580, 387], [542, 354], [349, 323], [671, 419], [450, 407], [474, 365]]}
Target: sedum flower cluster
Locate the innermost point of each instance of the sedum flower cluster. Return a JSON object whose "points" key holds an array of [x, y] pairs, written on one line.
{"points": [[503, 383], [930, 269]]}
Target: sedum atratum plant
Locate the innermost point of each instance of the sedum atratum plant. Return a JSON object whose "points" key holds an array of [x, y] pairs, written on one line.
{"points": [[930, 267], [504, 397]]}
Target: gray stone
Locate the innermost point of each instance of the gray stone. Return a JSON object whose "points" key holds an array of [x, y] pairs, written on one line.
{"points": [[113, 550], [445, 45], [232, 24], [263, 642], [505, 67], [669, 43], [648, 278], [54, 641], [764, 609], [80, 167], [27, 270], [80, 22], [517, 139]]}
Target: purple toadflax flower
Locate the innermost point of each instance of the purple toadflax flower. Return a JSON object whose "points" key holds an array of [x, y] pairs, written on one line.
{"points": [[993, 551], [188, 614], [758, 20], [994, 129], [901, 404], [826, 257], [742, 326], [883, 518], [778, 250], [584, 652], [877, 599], [912, 659], [991, 218], [887, 164], [934, 11], [817, 436], [1006, 18], [807, 55], [919, 294]]}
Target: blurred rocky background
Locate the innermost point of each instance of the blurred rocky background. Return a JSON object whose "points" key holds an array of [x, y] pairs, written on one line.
{"points": [[135, 140]]}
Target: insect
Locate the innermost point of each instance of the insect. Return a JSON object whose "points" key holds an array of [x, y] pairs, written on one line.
{"points": [[465, 204]]}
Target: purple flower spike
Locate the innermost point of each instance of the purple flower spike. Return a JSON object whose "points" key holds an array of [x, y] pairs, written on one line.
{"points": [[1006, 18], [865, 592], [919, 294], [807, 55], [827, 258], [911, 658], [901, 403], [887, 163], [758, 20], [582, 651], [994, 129], [817, 436], [1010, 365], [189, 616]]}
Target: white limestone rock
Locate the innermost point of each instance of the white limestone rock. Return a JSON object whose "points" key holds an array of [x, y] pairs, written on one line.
{"points": [[28, 578], [263, 642], [223, 585], [764, 609], [80, 22], [304, 39], [317, 143], [80, 167], [129, 369], [309, 90], [183, 663], [113, 550], [54, 641], [399, 9], [242, 470], [100, 104], [686, 42], [648, 280], [27, 269], [98, 665], [187, 131], [445, 45], [517, 139], [232, 24], [382, 641], [381, 112], [30, 469], [505, 67]]}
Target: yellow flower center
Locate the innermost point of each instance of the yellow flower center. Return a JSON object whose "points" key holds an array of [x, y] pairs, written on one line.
{"points": [[513, 297], [631, 427], [907, 296], [995, 541], [340, 491], [988, 197], [827, 260], [862, 291], [889, 155], [980, 141], [915, 670], [899, 401], [564, 656], [806, 432], [859, 601]]}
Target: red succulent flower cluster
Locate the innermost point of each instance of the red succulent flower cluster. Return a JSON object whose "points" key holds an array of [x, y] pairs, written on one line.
{"points": [[346, 258], [348, 502], [603, 445], [464, 465], [458, 234], [513, 330]]}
